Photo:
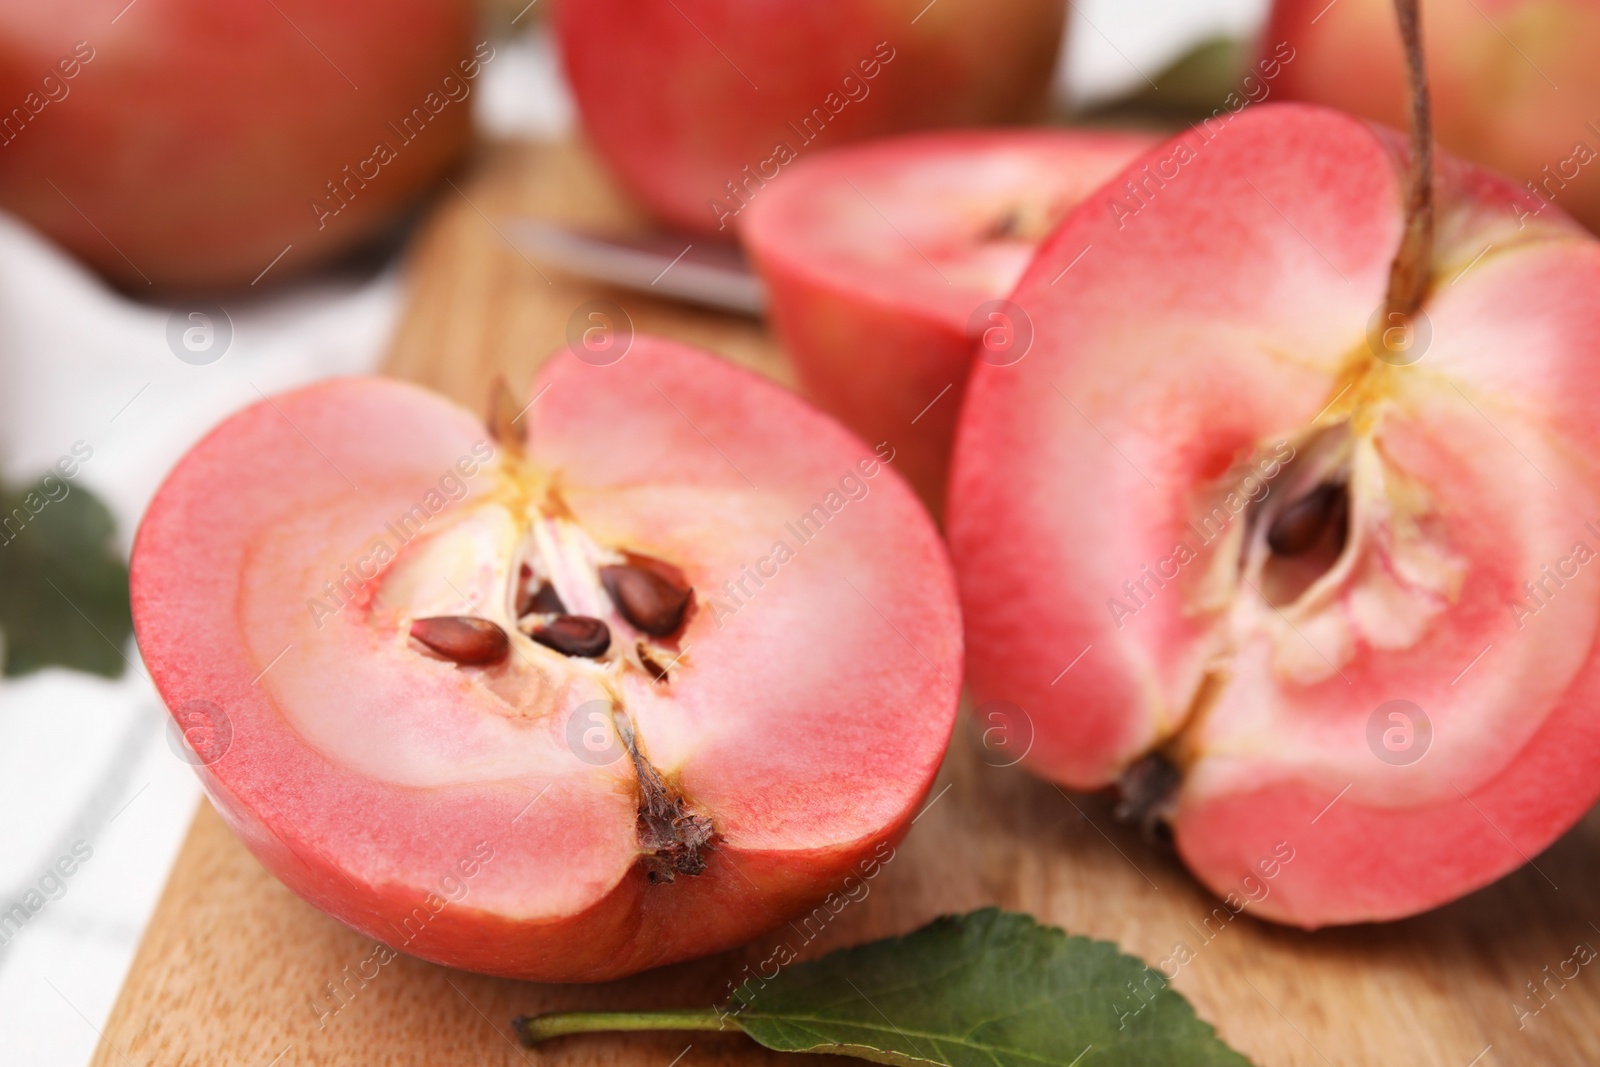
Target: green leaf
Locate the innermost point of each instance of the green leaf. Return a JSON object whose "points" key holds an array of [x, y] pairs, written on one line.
{"points": [[63, 586], [1192, 87], [986, 989]]}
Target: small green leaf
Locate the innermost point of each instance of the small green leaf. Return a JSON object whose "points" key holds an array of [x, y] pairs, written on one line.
{"points": [[1193, 86], [63, 586], [986, 989]]}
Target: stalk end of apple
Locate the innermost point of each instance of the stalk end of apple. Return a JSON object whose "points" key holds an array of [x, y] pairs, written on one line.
{"points": [[504, 419], [1411, 272]]}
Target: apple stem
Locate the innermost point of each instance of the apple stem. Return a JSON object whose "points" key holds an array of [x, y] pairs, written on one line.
{"points": [[503, 416], [1411, 271], [536, 1028]]}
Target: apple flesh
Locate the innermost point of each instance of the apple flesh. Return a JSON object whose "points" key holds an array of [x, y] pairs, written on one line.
{"points": [[181, 146], [1215, 524], [698, 105], [885, 262], [324, 580], [1494, 67]]}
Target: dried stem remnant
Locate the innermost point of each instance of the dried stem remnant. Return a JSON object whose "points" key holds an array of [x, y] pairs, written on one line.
{"points": [[1148, 789], [670, 835], [503, 420]]}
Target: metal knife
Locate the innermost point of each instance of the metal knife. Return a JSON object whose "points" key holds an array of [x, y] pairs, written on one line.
{"points": [[672, 266]]}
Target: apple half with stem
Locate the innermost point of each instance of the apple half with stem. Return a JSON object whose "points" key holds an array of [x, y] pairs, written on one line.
{"points": [[1306, 580], [887, 265], [630, 691]]}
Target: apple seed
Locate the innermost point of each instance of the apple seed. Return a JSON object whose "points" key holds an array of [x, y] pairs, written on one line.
{"points": [[542, 601], [646, 598], [1297, 528], [463, 639], [575, 635], [657, 671]]}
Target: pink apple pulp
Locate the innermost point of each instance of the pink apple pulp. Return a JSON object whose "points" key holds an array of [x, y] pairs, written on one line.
{"points": [[341, 582], [1307, 582], [887, 265]]}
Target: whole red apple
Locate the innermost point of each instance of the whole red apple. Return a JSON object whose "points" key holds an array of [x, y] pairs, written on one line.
{"points": [[1317, 589], [698, 104], [887, 265], [1514, 82], [633, 691], [186, 145]]}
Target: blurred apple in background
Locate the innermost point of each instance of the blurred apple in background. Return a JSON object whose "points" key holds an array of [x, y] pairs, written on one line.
{"points": [[182, 145], [1516, 85], [697, 104]]}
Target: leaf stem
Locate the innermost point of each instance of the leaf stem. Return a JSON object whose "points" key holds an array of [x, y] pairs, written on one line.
{"points": [[536, 1028], [1411, 271]]}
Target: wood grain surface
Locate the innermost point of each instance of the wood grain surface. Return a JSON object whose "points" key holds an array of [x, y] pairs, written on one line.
{"points": [[236, 970]]}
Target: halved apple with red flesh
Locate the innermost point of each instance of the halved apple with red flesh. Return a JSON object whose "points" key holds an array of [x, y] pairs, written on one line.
{"points": [[882, 259], [354, 582], [1206, 531]]}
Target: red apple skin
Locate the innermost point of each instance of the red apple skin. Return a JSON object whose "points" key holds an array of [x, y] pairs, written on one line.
{"points": [[877, 257], [194, 137], [680, 98], [1229, 310], [369, 779], [1514, 83]]}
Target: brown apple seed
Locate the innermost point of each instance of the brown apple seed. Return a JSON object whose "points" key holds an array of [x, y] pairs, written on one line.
{"points": [[463, 639], [649, 601], [1297, 528], [575, 635]]}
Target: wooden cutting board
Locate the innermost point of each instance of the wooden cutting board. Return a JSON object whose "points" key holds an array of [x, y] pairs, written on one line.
{"points": [[235, 969]]}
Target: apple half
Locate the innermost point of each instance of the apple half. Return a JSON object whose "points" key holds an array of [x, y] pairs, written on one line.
{"points": [[887, 264], [1304, 581], [384, 629]]}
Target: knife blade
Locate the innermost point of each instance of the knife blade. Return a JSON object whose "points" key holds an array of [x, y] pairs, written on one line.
{"points": [[671, 266]]}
